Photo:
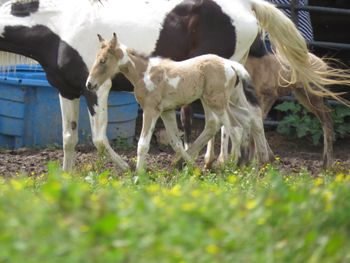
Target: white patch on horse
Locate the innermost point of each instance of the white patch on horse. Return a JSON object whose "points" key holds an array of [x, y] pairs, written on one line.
{"points": [[174, 82], [126, 57], [146, 79], [229, 72]]}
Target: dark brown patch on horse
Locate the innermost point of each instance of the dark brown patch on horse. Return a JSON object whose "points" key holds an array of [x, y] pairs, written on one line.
{"points": [[258, 48], [66, 71], [23, 9], [194, 28], [73, 125]]}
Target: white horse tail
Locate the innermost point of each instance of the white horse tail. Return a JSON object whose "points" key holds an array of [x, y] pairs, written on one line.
{"points": [[248, 88], [291, 50]]}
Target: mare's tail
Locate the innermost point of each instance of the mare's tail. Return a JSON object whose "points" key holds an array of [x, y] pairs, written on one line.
{"points": [[291, 50], [248, 88]]}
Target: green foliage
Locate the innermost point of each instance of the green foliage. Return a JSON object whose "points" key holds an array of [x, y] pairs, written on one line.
{"points": [[301, 123], [248, 215]]}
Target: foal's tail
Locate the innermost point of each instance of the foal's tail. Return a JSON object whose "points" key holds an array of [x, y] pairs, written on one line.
{"points": [[248, 88], [291, 50]]}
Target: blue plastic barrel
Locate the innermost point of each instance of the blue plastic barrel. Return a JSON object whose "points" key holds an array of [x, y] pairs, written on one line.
{"points": [[30, 112]]}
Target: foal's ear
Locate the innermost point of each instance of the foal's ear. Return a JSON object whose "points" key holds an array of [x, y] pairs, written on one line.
{"points": [[100, 38], [102, 41], [114, 41]]}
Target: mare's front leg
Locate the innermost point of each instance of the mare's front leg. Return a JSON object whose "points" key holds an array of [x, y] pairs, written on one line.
{"points": [[70, 114], [169, 120], [148, 123], [99, 122], [186, 116]]}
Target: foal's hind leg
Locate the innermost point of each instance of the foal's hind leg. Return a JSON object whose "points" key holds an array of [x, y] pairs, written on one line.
{"points": [[169, 120], [235, 134], [209, 156], [316, 105], [99, 123], [212, 125], [70, 113]]}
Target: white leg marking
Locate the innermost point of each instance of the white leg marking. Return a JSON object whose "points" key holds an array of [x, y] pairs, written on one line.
{"points": [[148, 124], [70, 114], [99, 126]]}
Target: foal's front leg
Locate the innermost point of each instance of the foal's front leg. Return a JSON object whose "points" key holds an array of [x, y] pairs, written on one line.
{"points": [[99, 122], [148, 123]]}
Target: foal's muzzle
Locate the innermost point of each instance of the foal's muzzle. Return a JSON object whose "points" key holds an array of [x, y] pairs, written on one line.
{"points": [[90, 86]]}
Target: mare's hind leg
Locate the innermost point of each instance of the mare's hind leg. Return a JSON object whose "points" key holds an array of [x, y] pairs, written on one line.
{"points": [[70, 114], [99, 123], [169, 120], [316, 105], [186, 116]]}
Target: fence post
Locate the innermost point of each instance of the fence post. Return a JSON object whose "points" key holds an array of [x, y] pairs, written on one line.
{"points": [[294, 4]]}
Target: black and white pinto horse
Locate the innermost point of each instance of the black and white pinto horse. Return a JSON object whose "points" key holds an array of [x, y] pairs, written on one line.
{"points": [[60, 35]]}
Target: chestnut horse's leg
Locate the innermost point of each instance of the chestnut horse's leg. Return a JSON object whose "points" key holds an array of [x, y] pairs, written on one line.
{"points": [[186, 115], [316, 105], [99, 123], [70, 114]]}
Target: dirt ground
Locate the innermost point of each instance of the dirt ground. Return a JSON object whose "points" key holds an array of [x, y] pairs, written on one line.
{"points": [[295, 154]]}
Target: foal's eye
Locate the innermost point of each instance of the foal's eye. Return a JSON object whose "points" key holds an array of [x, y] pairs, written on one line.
{"points": [[102, 60]]}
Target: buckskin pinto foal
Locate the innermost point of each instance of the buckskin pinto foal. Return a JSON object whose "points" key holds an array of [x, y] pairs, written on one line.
{"points": [[162, 85]]}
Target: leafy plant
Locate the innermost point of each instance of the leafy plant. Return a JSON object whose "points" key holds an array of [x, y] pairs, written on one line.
{"points": [[236, 215], [299, 122]]}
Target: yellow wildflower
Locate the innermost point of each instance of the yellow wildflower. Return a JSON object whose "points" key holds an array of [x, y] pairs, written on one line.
{"points": [[196, 193], [158, 201], [153, 188], [318, 181], [232, 179], [197, 172], [175, 191], [339, 177], [17, 185], [187, 207], [212, 249], [251, 204], [261, 221]]}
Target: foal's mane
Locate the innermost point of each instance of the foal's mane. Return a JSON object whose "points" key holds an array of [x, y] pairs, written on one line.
{"points": [[138, 54]]}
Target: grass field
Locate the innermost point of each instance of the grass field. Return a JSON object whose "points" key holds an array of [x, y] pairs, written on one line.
{"points": [[233, 215]]}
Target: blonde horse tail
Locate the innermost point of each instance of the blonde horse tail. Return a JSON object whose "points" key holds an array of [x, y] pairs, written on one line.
{"points": [[291, 50]]}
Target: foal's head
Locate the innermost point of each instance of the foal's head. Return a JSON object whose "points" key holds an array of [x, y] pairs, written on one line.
{"points": [[107, 62]]}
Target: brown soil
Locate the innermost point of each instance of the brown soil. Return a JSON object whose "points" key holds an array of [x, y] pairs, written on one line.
{"points": [[295, 154]]}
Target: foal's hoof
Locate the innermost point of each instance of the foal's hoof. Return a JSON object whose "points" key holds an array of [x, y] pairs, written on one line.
{"points": [[178, 162], [208, 165], [123, 166]]}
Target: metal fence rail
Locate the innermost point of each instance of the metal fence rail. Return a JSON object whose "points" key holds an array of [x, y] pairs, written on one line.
{"points": [[294, 8]]}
